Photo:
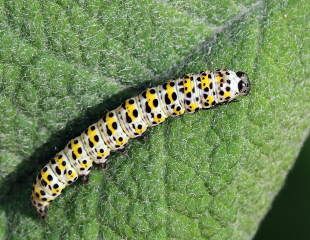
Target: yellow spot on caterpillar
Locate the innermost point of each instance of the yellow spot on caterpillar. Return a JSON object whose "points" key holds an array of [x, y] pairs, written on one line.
{"points": [[150, 98], [59, 163], [188, 86], [210, 99], [37, 189], [129, 109], [218, 79], [170, 90], [85, 164], [91, 135], [44, 176], [205, 81], [103, 155], [180, 112], [120, 142], [109, 122], [227, 94], [140, 131], [193, 107], [72, 175], [75, 147], [58, 190], [158, 120]]}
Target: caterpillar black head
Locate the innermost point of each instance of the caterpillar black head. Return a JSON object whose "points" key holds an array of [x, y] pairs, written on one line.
{"points": [[231, 85], [243, 83]]}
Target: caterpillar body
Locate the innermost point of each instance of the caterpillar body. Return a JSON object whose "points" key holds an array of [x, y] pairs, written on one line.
{"points": [[130, 120]]}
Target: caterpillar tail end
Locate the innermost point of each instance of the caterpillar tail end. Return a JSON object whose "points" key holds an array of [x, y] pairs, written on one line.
{"points": [[41, 207]]}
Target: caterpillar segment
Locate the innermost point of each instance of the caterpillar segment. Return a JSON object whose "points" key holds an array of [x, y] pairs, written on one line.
{"points": [[112, 132], [130, 120], [78, 157], [171, 99], [152, 109], [94, 144], [63, 169], [206, 87], [191, 93]]}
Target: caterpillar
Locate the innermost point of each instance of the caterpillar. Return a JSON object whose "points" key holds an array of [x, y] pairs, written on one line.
{"points": [[130, 120]]}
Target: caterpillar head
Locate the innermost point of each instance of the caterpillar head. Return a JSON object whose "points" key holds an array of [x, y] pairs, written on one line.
{"points": [[231, 85]]}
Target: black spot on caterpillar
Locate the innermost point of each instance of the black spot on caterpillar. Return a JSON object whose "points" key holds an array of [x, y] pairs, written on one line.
{"points": [[130, 120]]}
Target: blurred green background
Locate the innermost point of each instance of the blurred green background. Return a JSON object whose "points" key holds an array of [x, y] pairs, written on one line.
{"points": [[289, 217]]}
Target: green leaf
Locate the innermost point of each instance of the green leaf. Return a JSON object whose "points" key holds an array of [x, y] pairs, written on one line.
{"points": [[209, 175]]}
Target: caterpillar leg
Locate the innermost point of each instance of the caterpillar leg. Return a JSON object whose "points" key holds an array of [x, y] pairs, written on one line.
{"points": [[123, 151], [43, 215], [143, 137], [85, 179], [103, 165], [41, 209]]}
